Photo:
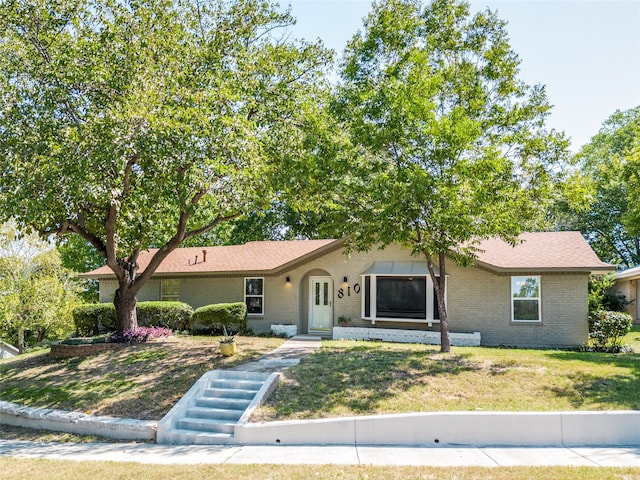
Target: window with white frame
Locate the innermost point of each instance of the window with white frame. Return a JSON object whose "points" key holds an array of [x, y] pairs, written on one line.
{"points": [[170, 290], [254, 295], [407, 298], [525, 299]]}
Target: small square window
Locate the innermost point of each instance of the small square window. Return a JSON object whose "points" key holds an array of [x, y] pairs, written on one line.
{"points": [[170, 290], [525, 299]]}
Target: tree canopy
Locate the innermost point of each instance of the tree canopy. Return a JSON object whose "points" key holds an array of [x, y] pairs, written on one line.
{"points": [[607, 169], [146, 123], [37, 294], [453, 147]]}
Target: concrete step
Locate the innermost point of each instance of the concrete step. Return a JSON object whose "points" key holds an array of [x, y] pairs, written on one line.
{"points": [[214, 413], [222, 403], [236, 384], [191, 437], [209, 413], [229, 393], [206, 425]]}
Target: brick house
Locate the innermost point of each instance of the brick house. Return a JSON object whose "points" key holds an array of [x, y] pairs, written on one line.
{"points": [[534, 294], [628, 284]]}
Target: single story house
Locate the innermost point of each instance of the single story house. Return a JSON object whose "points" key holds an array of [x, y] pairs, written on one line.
{"points": [[628, 284], [533, 294]]}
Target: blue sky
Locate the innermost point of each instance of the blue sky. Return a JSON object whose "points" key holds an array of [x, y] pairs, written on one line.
{"points": [[586, 52]]}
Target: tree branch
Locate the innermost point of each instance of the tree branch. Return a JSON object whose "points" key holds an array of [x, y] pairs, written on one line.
{"points": [[78, 228], [175, 241]]}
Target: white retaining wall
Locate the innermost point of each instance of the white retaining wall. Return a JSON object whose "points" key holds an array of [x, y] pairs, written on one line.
{"points": [[286, 330], [613, 428], [78, 423], [404, 336], [541, 429]]}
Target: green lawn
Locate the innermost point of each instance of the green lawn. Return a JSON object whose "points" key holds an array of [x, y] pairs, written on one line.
{"points": [[27, 469], [142, 381], [342, 378], [361, 378]]}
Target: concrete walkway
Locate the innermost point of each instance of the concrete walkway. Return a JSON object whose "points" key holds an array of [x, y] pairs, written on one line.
{"points": [[286, 355], [324, 455]]}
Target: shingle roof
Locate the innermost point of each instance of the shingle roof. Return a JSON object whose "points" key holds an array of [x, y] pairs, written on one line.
{"points": [[541, 251], [267, 256]]}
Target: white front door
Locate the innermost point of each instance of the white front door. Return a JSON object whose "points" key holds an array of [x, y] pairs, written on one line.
{"points": [[321, 303]]}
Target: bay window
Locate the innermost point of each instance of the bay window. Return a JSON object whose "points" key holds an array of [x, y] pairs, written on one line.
{"points": [[399, 291]]}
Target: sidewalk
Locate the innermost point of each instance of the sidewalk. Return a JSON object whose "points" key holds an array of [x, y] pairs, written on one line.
{"points": [[323, 455]]}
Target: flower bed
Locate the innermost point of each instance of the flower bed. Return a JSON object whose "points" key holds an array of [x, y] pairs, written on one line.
{"points": [[82, 347]]}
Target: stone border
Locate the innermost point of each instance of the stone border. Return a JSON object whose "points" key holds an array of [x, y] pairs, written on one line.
{"points": [[62, 350], [404, 336], [78, 423]]}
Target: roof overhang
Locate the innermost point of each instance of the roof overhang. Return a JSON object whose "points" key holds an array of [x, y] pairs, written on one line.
{"points": [[404, 268], [323, 250], [629, 274], [516, 269]]}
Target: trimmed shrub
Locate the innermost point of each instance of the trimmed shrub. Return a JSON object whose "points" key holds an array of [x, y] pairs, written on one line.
{"points": [[93, 318], [606, 329], [212, 318], [173, 315], [89, 319]]}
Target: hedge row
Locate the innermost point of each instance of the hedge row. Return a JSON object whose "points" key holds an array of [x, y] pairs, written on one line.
{"points": [[212, 318], [91, 319]]}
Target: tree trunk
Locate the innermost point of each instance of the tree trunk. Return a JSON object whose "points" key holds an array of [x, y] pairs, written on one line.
{"points": [[439, 284], [125, 303], [20, 340]]}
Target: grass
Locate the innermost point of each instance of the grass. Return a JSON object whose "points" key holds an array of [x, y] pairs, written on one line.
{"points": [[142, 381], [8, 432], [20, 468], [342, 378], [347, 378]]}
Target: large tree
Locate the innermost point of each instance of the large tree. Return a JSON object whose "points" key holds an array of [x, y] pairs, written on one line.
{"points": [[140, 123], [37, 294], [605, 167], [454, 148]]}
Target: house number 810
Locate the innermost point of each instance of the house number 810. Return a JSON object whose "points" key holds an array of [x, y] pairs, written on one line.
{"points": [[356, 289]]}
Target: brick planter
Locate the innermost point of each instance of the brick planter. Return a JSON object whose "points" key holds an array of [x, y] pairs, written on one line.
{"points": [[60, 350]]}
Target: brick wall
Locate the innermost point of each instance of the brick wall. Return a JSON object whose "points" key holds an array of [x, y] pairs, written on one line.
{"points": [[60, 350], [477, 299]]}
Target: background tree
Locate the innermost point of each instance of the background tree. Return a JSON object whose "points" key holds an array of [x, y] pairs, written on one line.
{"points": [[279, 222], [607, 170], [454, 148], [37, 294], [631, 176], [146, 123], [77, 255]]}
